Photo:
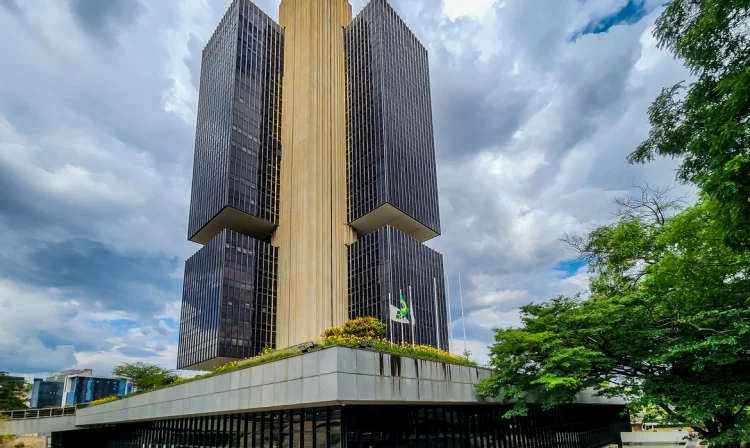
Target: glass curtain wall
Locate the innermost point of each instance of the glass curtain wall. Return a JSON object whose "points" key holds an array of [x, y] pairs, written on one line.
{"points": [[386, 264], [369, 427]]}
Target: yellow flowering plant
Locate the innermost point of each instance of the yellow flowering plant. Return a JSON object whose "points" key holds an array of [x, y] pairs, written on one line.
{"points": [[363, 327], [103, 400], [371, 329]]}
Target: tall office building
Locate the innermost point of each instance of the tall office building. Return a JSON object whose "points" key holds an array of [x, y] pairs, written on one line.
{"points": [[314, 182], [392, 180]]}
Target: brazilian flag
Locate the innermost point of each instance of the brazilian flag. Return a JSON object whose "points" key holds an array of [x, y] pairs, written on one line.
{"points": [[403, 312]]}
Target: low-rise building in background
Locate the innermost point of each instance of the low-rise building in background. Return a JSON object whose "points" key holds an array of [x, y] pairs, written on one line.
{"points": [[74, 387]]}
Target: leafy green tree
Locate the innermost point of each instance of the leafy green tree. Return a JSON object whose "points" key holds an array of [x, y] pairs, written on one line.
{"points": [[648, 414], [707, 122], [667, 323], [146, 376], [12, 393]]}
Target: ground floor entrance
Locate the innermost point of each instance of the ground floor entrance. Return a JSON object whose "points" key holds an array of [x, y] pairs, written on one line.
{"points": [[363, 426]]}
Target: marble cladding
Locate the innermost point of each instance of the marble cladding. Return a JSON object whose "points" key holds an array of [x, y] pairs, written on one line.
{"points": [[331, 376], [334, 375]]}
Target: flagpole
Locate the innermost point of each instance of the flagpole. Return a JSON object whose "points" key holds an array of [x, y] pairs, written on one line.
{"points": [[390, 320], [437, 322], [450, 319], [463, 321], [401, 296], [411, 324]]}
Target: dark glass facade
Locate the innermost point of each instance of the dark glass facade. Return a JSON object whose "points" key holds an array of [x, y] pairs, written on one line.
{"points": [[393, 200], [238, 132], [386, 263], [46, 394], [229, 301], [229, 294], [85, 389], [584, 426], [389, 118]]}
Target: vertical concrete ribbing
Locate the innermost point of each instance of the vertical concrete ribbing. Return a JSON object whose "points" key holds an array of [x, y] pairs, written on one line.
{"points": [[313, 231]]}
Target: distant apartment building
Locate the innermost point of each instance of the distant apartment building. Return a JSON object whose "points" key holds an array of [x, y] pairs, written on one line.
{"points": [[74, 387], [63, 375]]}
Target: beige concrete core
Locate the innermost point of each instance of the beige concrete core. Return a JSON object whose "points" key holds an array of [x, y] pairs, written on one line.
{"points": [[313, 231]]}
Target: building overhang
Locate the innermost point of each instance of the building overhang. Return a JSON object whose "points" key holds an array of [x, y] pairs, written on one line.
{"points": [[333, 375], [388, 215], [233, 219]]}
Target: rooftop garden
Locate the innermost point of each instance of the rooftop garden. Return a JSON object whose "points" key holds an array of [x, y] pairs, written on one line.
{"points": [[364, 332]]}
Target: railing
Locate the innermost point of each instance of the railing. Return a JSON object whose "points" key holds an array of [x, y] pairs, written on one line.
{"points": [[38, 413]]}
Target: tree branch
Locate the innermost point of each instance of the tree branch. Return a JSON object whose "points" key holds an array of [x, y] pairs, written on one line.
{"points": [[742, 408]]}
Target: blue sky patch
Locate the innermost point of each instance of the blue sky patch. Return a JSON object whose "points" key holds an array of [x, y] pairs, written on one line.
{"points": [[569, 268], [634, 11]]}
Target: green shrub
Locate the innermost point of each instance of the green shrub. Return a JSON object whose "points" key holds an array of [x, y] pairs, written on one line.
{"points": [[361, 327], [154, 381]]}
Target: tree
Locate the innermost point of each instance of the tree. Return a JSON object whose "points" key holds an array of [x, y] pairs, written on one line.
{"points": [[648, 414], [667, 323], [707, 123], [12, 393], [146, 376]]}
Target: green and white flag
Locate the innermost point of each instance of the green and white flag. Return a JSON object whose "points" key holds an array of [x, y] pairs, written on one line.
{"points": [[400, 315]]}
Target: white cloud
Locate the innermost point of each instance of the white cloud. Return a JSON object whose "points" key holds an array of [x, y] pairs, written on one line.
{"points": [[472, 8], [66, 183], [182, 97], [143, 339], [171, 311], [580, 280], [504, 296], [477, 349], [39, 327], [492, 318], [47, 329]]}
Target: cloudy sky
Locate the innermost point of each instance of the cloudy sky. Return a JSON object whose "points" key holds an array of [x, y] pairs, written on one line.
{"points": [[536, 103]]}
